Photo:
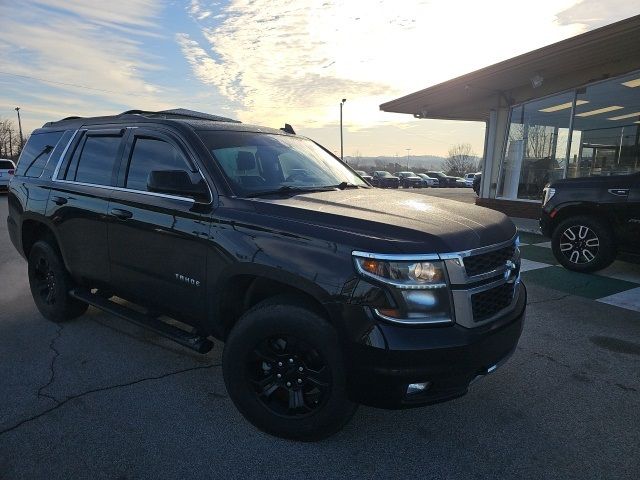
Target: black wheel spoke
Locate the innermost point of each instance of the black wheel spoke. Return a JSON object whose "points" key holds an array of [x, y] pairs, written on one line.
{"points": [[296, 399], [319, 377], [266, 386], [288, 375]]}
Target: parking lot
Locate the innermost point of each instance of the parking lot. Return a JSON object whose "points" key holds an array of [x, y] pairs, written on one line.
{"points": [[100, 398]]}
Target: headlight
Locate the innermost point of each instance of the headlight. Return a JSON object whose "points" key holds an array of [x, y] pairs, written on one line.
{"points": [[548, 194], [404, 274], [419, 284]]}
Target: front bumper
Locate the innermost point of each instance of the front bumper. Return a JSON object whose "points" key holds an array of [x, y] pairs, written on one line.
{"points": [[450, 358]]}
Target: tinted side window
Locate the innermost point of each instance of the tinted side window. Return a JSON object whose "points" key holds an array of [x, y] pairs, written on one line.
{"points": [[36, 153], [152, 154], [6, 165], [97, 160]]}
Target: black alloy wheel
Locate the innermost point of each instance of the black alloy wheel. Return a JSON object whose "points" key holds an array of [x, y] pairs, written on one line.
{"points": [[284, 369], [50, 284], [289, 376]]}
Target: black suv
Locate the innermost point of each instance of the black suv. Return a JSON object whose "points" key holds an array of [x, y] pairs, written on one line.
{"points": [[590, 220], [326, 292]]}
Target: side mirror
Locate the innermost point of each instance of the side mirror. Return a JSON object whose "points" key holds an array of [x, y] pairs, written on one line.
{"points": [[177, 182]]}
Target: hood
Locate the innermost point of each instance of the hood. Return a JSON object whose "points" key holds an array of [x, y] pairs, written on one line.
{"points": [[596, 181], [392, 221]]}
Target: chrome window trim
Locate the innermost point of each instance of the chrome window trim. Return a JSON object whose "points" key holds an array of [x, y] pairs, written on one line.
{"points": [[120, 189], [409, 321], [54, 177]]}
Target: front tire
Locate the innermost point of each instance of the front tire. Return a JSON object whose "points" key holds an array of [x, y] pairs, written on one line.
{"points": [[583, 244], [50, 284], [284, 371]]}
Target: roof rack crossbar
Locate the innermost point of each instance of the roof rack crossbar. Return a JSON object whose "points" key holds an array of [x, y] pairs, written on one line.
{"points": [[179, 112]]}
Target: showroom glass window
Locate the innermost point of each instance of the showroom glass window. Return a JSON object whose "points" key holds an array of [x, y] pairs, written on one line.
{"points": [[536, 150], [602, 123], [606, 126]]}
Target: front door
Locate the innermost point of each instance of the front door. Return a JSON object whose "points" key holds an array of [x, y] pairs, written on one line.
{"points": [[158, 242]]}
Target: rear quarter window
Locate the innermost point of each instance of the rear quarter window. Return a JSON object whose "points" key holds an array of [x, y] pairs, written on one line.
{"points": [[36, 153], [6, 165]]}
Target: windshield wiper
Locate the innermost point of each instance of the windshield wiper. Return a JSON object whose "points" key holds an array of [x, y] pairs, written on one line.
{"points": [[345, 185], [289, 189]]}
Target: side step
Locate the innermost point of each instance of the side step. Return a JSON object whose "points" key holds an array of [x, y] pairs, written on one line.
{"points": [[190, 340]]}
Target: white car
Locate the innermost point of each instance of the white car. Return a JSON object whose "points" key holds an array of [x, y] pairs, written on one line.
{"points": [[428, 181], [468, 179], [7, 167]]}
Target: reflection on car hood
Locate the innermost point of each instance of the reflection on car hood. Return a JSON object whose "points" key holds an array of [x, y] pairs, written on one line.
{"points": [[400, 221]]}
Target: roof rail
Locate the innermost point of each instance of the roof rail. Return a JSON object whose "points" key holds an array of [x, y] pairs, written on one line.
{"points": [[179, 112]]}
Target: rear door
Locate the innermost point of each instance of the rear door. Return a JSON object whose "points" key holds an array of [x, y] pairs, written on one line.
{"points": [[79, 198], [158, 242]]}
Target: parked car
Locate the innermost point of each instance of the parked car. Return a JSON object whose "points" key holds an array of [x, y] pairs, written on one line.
{"points": [[409, 180], [468, 179], [326, 292], [382, 179], [427, 181], [7, 169], [590, 220], [443, 180], [364, 175], [477, 179], [460, 182]]}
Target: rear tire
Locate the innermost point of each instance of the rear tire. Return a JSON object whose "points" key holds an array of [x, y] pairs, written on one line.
{"points": [[583, 244], [284, 371], [50, 284]]}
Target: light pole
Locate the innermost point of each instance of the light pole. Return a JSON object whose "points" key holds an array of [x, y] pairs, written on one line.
{"points": [[20, 128], [341, 141], [408, 150]]}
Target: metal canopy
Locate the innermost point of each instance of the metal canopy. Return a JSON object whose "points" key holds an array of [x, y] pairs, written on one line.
{"points": [[605, 52]]}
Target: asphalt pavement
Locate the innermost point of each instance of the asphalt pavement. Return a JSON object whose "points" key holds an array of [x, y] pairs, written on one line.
{"points": [[100, 398]]}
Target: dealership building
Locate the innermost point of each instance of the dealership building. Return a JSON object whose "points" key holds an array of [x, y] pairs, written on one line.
{"points": [[567, 110]]}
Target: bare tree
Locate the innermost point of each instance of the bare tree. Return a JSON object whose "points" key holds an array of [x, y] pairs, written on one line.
{"points": [[9, 140], [460, 160]]}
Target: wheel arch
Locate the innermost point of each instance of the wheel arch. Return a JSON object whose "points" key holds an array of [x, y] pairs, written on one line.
{"points": [[238, 291], [575, 209]]}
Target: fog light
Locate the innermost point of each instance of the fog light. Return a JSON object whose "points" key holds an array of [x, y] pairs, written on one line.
{"points": [[416, 388]]}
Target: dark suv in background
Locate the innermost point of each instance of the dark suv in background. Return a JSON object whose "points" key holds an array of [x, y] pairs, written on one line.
{"points": [[326, 292], [590, 220], [382, 179]]}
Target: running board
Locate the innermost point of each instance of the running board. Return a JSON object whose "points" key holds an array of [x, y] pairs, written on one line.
{"points": [[190, 340]]}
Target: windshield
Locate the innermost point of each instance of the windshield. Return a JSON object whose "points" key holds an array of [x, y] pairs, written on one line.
{"points": [[383, 174], [257, 163], [408, 174]]}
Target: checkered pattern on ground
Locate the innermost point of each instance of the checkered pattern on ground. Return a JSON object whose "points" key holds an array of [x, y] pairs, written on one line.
{"points": [[618, 284]]}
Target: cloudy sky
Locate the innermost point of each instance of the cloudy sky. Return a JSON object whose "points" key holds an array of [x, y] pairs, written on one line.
{"points": [[273, 61]]}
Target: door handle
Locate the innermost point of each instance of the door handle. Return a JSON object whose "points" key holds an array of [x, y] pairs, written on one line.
{"points": [[58, 200], [121, 214]]}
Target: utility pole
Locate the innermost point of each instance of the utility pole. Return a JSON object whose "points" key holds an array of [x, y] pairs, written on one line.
{"points": [[408, 150], [20, 128], [10, 145], [341, 138]]}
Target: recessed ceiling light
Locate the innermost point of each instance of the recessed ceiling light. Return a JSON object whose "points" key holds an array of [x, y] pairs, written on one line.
{"points": [[562, 106], [628, 115], [599, 110], [632, 83]]}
